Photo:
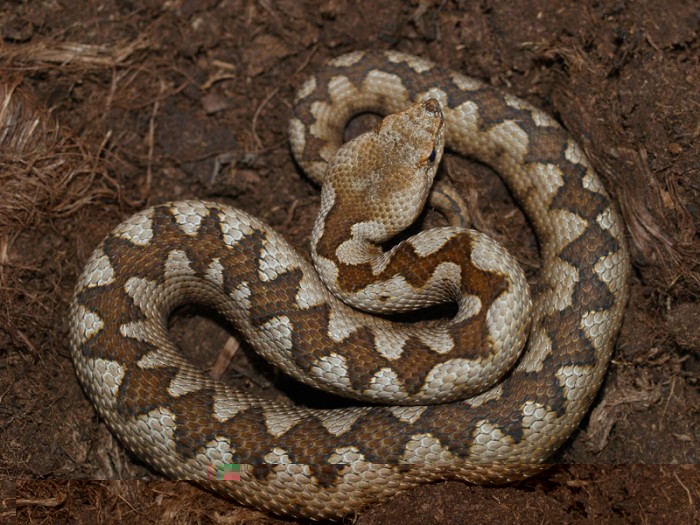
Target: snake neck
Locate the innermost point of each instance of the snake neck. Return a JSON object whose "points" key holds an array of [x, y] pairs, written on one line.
{"points": [[375, 187]]}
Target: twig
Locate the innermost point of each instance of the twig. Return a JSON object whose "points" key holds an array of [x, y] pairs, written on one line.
{"points": [[225, 357], [146, 190], [42, 502], [254, 123], [687, 490]]}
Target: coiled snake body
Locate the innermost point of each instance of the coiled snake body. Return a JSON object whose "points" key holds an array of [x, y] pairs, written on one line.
{"points": [[327, 463]]}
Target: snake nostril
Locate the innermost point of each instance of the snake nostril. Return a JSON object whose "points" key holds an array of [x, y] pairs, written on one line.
{"points": [[432, 105]]}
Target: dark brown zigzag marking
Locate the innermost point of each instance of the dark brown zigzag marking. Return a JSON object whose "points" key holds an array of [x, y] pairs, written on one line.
{"points": [[143, 390]]}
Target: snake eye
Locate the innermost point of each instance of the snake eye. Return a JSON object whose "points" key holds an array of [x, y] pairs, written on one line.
{"points": [[432, 156]]}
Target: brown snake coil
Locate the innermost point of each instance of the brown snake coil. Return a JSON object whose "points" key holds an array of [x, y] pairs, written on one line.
{"points": [[327, 463]]}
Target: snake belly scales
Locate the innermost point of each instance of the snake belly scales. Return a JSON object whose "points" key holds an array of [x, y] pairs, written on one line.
{"points": [[328, 463]]}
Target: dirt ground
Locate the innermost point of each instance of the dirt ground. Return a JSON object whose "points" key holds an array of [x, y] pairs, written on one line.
{"points": [[191, 98]]}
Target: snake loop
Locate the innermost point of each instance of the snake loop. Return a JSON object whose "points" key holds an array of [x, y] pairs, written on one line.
{"points": [[327, 463]]}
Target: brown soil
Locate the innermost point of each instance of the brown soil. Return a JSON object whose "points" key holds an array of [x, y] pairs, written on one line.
{"points": [[191, 98]]}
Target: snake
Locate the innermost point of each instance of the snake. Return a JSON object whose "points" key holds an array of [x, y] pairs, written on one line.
{"points": [[422, 415]]}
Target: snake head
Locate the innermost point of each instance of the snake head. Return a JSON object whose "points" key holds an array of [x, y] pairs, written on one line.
{"points": [[387, 172], [419, 131]]}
